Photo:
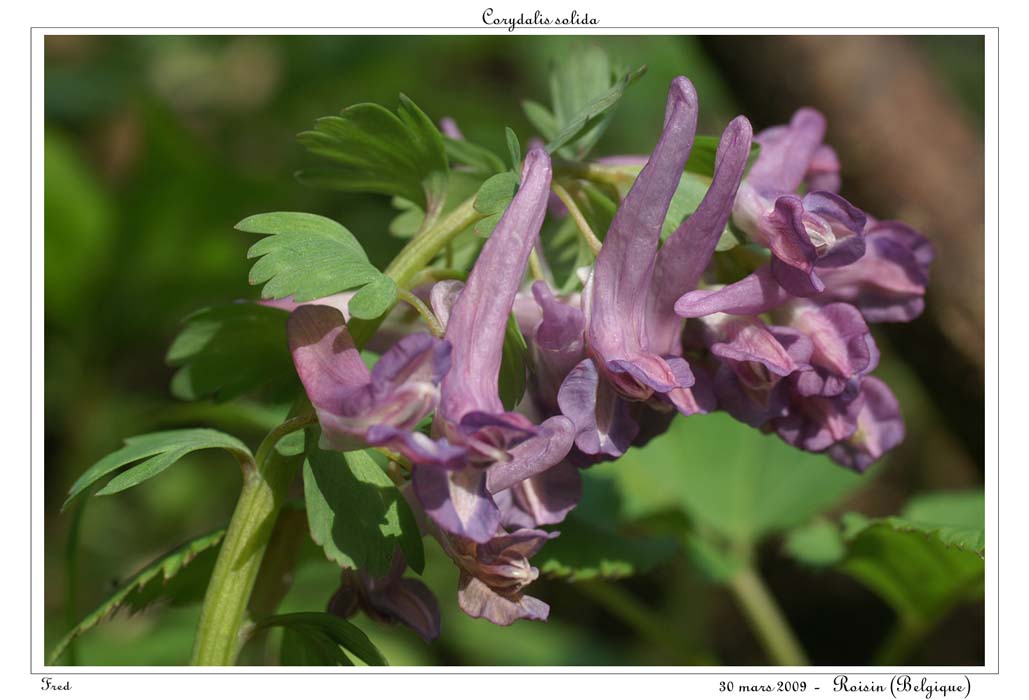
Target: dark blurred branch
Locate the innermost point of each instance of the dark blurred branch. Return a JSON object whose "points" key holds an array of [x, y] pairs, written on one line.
{"points": [[909, 153]]}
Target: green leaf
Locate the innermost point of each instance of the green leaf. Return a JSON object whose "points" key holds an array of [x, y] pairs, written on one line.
{"points": [[154, 453], [511, 382], [587, 551], [225, 351], [178, 577], [374, 150], [496, 193], [336, 630], [374, 299], [816, 544], [356, 513], [731, 480], [957, 518], [306, 256], [583, 93], [584, 129], [702, 156], [480, 159], [307, 646], [514, 149], [910, 566], [492, 199]]}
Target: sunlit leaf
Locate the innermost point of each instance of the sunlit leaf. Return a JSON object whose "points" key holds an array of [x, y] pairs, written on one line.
{"points": [[356, 513], [151, 454]]}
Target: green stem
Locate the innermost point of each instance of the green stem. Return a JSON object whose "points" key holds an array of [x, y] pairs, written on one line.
{"points": [[629, 610], [424, 311], [420, 251], [580, 221], [766, 619], [265, 484], [415, 257]]}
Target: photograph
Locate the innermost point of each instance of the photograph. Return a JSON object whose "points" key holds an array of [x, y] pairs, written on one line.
{"points": [[514, 349]]}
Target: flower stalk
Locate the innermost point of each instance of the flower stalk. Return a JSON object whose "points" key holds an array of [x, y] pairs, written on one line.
{"points": [[265, 484], [767, 619]]}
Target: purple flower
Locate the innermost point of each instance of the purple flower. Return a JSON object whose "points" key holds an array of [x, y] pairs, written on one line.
{"points": [[888, 283], [495, 572], [356, 407], [854, 428], [880, 427], [753, 360], [842, 346], [390, 598], [633, 354], [805, 234], [501, 448]]}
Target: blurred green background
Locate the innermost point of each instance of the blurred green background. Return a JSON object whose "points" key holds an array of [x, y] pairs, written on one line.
{"points": [[157, 146]]}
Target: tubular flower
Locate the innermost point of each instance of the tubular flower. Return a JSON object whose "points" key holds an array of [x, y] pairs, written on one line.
{"points": [[632, 356], [391, 598], [819, 230], [500, 449], [495, 572], [356, 407]]}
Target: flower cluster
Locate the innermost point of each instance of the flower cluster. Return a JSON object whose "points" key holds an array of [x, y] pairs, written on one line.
{"points": [[785, 348]]}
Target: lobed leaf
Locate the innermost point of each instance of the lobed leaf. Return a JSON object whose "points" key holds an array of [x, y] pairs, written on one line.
{"points": [[308, 257], [583, 92], [178, 577], [374, 150], [154, 452]]}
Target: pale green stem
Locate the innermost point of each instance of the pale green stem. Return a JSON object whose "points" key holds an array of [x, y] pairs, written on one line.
{"points": [[418, 305], [580, 221], [265, 484], [766, 619]]}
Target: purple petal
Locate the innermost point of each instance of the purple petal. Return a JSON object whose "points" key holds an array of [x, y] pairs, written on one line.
{"points": [[442, 297], [787, 152], [755, 294], [601, 417], [823, 172], [478, 319], [843, 347], [479, 600], [411, 603], [623, 270], [418, 447], [328, 363], [449, 128], [685, 255], [457, 501], [889, 282], [880, 427], [535, 455], [544, 499], [815, 423]]}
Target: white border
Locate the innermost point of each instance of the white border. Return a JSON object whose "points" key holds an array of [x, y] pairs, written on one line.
{"points": [[273, 679]]}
